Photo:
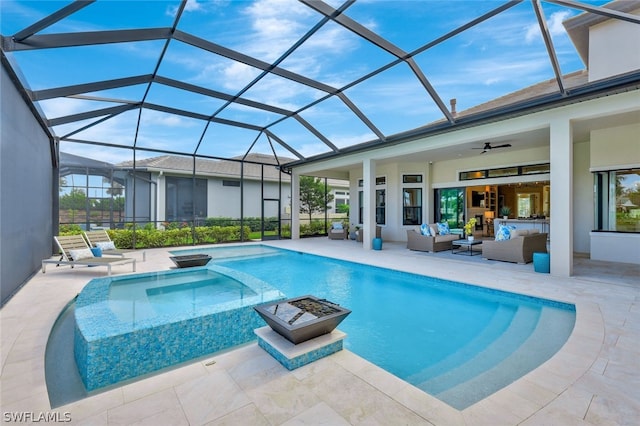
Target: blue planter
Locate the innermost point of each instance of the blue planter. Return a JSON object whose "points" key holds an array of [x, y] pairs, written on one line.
{"points": [[377, 243], [541, 262]]}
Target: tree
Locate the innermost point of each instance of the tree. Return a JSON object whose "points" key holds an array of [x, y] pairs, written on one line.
{"points": [[76, 200], [313, 196]]}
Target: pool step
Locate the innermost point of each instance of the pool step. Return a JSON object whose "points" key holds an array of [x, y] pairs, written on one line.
{"points": [[523, 324], [499, 323], [537, 348]]}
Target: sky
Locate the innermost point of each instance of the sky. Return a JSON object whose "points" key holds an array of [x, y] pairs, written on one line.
{"points": [[499, 56]]}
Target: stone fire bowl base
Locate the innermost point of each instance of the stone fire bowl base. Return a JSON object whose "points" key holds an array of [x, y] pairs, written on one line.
{"points": [[294, 356]]}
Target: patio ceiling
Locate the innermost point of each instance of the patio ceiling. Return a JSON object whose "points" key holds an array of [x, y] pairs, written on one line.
{"points": [[302, 79]]}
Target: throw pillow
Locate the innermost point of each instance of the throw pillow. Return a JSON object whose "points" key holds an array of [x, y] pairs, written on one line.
{"points": [[80, 254], [337, 225], [109, 245], [443, 228], [425, 230], [504, 233]]}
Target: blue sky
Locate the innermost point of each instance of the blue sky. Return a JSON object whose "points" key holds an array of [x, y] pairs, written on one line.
{"points": [[499, 56]]}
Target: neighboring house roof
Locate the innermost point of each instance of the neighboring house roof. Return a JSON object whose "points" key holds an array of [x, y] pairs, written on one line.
{"points": [[221, 168], [570, 81]]}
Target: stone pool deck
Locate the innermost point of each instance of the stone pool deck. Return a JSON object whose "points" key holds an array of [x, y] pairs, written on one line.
{"points": [[592, 380]]}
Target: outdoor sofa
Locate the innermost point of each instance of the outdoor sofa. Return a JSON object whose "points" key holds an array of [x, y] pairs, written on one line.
{"points": [[519, 248], [417, 241]]}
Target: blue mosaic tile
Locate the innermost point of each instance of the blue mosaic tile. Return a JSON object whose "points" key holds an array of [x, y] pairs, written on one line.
{"points": [[108, 350]]}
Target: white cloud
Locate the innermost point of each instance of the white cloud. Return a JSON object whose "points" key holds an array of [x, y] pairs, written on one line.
{"points": [[554, 24]]}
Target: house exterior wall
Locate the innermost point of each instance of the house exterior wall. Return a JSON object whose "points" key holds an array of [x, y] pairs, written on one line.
{"points": [[615, 147], [611, 149], [571, 195], [26, 191], [583, 202], [607, 59]]}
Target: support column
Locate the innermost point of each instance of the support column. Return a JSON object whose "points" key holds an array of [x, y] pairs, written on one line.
{"points": [[369, 210], [561, 215], [295, 205]]}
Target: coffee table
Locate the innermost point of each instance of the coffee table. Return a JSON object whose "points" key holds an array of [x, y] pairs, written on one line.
{"points": [[468, 247]]}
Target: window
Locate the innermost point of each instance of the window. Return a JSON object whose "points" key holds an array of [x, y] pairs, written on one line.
{"points": [[183, 196], [505, 171], [381, 206], [411, 178], [380, 200], [412, 206], [226, 182], [617, 200]]}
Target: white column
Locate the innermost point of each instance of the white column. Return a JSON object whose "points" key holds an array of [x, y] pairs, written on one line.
{"points": [[369, 210], [561, 215], [295, 205]]}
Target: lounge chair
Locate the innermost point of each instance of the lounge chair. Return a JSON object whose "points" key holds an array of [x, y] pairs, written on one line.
{"points": [[338, 231], [101, 239], [75, 251]]}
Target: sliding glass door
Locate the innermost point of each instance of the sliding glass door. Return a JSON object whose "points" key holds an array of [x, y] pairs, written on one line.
{"points": [[450, 204]]}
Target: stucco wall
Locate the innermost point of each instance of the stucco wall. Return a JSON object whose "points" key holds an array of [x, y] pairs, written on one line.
{"points": [[613, 48], [446, 172], [615, 147], [26, 182], [582, 198]]}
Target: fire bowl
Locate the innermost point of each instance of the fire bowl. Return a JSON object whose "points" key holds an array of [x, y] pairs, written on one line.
{"points": [[191, 260], [302, 318]]}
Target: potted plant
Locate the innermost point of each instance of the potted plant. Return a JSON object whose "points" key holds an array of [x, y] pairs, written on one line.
{"points": [[505, 212], [469, 227]]}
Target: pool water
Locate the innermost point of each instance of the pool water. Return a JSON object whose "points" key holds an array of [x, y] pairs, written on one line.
{"points": [[163, 294], [457, 342]]}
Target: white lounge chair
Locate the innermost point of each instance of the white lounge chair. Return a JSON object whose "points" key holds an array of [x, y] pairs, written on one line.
{"points": [[101, 239], [75, 251]]}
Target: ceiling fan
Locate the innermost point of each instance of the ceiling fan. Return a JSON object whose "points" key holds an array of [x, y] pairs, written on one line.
{"points": [[488, 147]]}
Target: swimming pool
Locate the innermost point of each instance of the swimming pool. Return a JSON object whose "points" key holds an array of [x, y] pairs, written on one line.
{"points": [[457, 342], [130, 325]]}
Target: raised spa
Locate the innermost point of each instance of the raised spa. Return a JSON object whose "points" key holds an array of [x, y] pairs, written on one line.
{"points": [[132, 325]]}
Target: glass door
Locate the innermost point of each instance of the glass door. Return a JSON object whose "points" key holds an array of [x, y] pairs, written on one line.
{"points": [[450, 204]]}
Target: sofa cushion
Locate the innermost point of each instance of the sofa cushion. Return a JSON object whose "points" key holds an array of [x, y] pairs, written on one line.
{"points": [[448, 237], [534, 231], [433, 228], [518, 233]]}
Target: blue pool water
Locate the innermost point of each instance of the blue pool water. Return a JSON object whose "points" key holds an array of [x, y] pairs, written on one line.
{"points": [[143, 297], [457, 342]]}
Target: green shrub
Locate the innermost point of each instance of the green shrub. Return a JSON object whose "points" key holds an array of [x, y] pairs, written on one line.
{"points": [[71, 229]]}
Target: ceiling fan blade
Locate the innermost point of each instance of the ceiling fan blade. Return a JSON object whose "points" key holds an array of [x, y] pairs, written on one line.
{"points": [[506, 145]]}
